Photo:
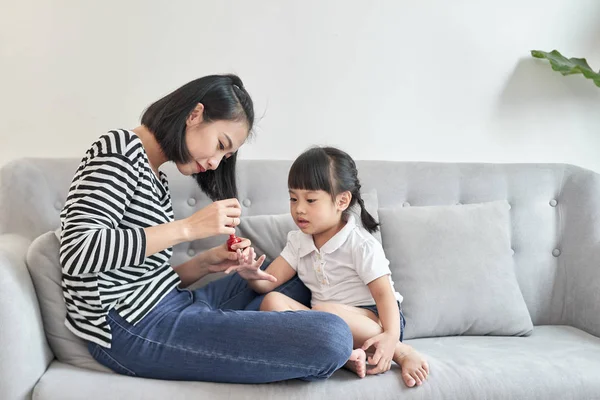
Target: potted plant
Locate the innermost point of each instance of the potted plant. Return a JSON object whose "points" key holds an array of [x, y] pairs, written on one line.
{"points": [[568, 66]]}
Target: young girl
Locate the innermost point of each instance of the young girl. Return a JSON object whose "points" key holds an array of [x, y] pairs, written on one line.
{"points": [[342, 264]]}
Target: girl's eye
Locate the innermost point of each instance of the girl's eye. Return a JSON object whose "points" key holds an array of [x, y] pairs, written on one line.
{"points": [[221, 145], [311, 200], [292, 199]]}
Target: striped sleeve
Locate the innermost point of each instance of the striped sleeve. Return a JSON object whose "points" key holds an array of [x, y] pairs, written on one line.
{"points": [[91, 239]]}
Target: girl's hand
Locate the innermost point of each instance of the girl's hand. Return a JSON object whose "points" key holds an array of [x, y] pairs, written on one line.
{"points": [[219, 259], [249, 268], [385, 345], [218, 218]]}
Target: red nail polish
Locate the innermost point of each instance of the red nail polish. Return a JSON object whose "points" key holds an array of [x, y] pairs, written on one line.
{"points": [[231, 241]]}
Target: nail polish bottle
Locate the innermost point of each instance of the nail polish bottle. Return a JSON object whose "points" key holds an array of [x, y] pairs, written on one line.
{"points": [[231, 241]]}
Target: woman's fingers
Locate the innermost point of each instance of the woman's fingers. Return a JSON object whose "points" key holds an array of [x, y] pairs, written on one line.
{"points": [[231, 256], [229, 212], [246, 251], [230, 203], [244, 244], [218, 218], [230, 269], [233, 221], [231, 216], [226, 230]]}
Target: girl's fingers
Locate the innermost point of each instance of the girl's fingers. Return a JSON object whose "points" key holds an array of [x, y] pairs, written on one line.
{"points": [[260, 262], [266, 276]]}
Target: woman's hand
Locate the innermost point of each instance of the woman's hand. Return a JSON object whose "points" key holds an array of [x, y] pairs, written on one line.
{"points": [[249, 268], [218, 218], [385, 344], [219, 259]]}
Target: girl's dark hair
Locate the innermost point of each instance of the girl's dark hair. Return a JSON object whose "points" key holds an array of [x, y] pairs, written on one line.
{"points": [[333, 171], [224, 98]]}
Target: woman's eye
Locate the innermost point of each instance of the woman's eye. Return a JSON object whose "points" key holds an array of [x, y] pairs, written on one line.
{"points": [[221, 146], [311, 200], [292, 199]]}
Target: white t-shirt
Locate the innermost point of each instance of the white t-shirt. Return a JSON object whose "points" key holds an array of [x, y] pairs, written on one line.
{"points": [[340, 272]]}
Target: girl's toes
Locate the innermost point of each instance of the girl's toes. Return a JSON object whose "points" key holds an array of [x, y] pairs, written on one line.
{"points": [[408, 380]]}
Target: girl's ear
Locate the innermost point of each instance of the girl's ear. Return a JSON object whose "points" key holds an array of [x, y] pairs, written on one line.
{"points": [[343, 200]]}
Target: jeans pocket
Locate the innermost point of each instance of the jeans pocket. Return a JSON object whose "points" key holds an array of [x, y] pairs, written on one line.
{"points": [[103, 357]]}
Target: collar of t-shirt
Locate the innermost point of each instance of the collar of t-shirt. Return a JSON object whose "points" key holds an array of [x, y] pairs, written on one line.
{"points": [[307, 244]]}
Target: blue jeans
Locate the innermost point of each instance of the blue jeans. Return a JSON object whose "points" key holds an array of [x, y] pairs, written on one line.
{"points": [[217, 334]]}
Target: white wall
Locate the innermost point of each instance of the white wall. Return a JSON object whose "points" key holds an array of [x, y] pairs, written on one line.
{"points": [[401, 80]]}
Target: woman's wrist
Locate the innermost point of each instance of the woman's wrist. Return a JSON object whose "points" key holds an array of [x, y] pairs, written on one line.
{"points": [[203, 270], [184, 229], [208, 260], [192, 270], [164, 236], [202, 262]]}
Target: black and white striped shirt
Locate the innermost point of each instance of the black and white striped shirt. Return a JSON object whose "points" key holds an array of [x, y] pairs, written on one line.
{"points": [[113, 196]]}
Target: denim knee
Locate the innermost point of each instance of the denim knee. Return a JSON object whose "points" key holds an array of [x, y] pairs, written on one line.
{"points": [[336, 342]]}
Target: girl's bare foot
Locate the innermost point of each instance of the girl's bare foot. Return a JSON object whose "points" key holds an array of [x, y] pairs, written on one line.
{"points": [[357, 362], [414, 367]]}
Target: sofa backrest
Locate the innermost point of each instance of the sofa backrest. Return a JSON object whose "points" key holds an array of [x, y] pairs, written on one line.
{"points": [[548, 206]]}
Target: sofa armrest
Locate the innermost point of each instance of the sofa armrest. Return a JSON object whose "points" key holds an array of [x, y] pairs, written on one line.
{"points": [[577, 288], [24, 351], [582, 294]]}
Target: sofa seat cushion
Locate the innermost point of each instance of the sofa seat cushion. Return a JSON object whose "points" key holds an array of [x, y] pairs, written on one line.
{"points": [[555, 362]]}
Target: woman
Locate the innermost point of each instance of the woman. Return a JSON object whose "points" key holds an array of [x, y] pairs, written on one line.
{"points": [[118, 230]]}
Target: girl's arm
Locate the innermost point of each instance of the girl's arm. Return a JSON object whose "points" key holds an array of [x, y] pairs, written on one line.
{"points": [[387, 305], [385, 343], [280, 269], [373, 267]]}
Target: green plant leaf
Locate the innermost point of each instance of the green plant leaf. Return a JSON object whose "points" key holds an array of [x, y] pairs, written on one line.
{"points": [[568, 66]]}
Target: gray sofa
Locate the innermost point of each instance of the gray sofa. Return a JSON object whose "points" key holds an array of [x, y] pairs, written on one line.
{"points": [[554, 233]]}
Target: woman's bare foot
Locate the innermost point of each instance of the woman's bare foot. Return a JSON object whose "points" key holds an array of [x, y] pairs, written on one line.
{"points": [[414, 367], [357, 362]]}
